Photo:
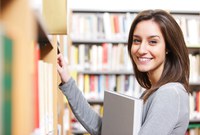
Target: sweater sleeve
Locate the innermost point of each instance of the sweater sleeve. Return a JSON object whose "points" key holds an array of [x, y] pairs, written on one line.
{"points": [[163, 113], [90, 120]]}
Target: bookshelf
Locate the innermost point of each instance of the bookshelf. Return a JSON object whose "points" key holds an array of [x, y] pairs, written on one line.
{"points": [[34, 100], [89, 27], [96, 72], [21, 33]]}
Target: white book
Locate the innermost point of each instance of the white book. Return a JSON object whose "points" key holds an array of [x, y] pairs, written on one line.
{"points": [[75, 27], [192, 105], [81, 56], [93, 26], [112, 82], [122, 114], [183, 26], [107, 25], [65, 48], [100, 58], [41, 97], [94, 57], [121, 26], [50, 97], [45, 71], [194, 68], [193, 31], [114, 58], [82, 28]]}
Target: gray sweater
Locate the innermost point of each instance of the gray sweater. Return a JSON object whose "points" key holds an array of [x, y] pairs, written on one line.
{"points": [[166, 111]]}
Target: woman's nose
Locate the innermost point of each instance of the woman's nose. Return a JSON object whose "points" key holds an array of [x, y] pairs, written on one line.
{"points": [[143, 48]]}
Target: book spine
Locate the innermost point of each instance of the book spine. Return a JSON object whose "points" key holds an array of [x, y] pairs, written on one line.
{"points": [[36, 87], [1, 82], [7, 86]]}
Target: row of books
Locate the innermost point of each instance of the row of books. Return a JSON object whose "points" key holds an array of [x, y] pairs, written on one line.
{"points": [[116, 26], [93, 86], [114, 57], [190, 26], [101, 25], [43, 95], [105, 56], [41, 80]]}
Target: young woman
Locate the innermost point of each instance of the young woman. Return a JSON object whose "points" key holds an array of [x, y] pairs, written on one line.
{"points": [[161, 65]]}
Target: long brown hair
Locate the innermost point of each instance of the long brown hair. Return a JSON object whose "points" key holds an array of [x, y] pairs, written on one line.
{"points": [[176, 68]]}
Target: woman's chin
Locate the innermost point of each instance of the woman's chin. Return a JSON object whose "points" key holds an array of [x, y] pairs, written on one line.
{"points": [[143, 70]]}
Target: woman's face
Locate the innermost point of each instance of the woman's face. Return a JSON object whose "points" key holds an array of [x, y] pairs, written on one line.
{"points": [[148, 49]]}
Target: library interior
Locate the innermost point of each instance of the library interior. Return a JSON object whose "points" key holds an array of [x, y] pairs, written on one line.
{"points": [[92, 36]]}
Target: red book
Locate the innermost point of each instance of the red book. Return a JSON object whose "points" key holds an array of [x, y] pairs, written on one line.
{"points": [[36, 85], [197, 101], [92, 83], [105, 55]]}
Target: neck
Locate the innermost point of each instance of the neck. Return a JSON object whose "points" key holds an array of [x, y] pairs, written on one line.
{"points": [[153, 77]]}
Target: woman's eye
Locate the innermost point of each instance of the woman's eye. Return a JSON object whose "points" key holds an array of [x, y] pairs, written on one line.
{"points": [[153, 42], [136, 41]]}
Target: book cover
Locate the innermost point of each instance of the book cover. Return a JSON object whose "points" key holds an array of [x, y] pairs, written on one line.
{"points": [[122, 114]]}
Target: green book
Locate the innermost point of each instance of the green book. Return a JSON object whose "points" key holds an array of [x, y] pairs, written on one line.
{"points": [[194, 125], [6, 81], [1, 76]]}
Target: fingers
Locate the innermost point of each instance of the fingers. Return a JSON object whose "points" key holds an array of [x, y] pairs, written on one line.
{"points": [[61, 64], [60, 60], [60, 56], [62, 68]]}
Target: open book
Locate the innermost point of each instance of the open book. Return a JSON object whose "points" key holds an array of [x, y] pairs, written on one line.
{"points": [[122, 114]]}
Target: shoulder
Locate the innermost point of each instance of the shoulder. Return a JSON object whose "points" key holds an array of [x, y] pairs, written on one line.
{"points": [[172, 87], [172, 90]]}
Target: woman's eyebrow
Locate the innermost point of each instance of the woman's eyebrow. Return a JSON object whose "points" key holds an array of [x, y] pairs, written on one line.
{"points": [[152, 36], [136, 36]]}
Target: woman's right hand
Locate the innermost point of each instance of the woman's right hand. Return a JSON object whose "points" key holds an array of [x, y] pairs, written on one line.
{"points": [[62, 69]]}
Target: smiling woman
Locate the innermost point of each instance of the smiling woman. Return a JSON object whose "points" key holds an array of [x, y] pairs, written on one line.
{"points": [[148, 49], [157, 32], [161, 65]]}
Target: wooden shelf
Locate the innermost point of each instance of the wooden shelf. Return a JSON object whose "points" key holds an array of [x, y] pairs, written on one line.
{"points": [[98, 41], [194, 46], [42, 34], [195, 121], [99, 10], [108, 72], [194, 83], [79, 132]]}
